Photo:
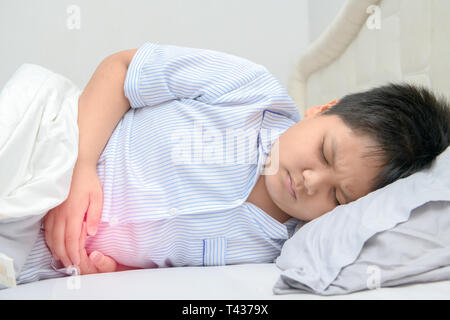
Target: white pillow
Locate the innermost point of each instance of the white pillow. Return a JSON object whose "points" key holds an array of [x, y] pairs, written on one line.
{"points": [[314, 257]]}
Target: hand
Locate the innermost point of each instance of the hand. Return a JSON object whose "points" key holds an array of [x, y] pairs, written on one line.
{"points": [[63, 223], [96, 262]]}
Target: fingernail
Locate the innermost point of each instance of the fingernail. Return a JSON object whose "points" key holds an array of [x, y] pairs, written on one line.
{"points": [[95, 256], [92, 231]]}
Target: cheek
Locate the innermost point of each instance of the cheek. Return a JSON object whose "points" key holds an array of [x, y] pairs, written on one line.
{"points": [[290, 153], [277, 192], [311, 207], [298, 150], [273, 185]]}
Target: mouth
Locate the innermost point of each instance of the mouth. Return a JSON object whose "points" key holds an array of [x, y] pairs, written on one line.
{"points": [[289, 186]]}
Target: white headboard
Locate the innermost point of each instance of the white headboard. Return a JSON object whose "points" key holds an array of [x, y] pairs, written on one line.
{"points": [[372, 42]]}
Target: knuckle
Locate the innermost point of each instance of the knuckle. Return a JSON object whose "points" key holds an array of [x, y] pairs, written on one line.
{"points": [[71, 238]]}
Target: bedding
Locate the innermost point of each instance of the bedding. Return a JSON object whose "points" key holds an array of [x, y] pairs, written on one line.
{"points": [[232, 282], [394, 235], [36, 157]]}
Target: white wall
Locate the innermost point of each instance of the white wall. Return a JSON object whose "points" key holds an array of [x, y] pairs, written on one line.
{"points": [[320, 15], [270, 32]]}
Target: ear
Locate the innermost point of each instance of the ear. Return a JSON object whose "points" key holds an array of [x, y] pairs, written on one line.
{"points": [[312, 111]]}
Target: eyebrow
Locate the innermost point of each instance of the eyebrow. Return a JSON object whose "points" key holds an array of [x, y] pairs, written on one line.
{"points": [[333, 159]]}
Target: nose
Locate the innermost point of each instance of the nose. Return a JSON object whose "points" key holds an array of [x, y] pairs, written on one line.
{"points": [[313, 181], [301, 185]]}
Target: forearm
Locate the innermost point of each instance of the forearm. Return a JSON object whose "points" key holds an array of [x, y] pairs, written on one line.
{"points": [[100, 108]]}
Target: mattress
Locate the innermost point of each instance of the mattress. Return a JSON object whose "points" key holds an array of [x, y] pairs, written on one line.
{"points": [[233, 282]]}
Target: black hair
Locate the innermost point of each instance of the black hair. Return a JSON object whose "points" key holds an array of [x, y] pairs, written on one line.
{"points": [[409, 124]]}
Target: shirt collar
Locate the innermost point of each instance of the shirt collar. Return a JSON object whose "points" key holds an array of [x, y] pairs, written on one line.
{"points": [[271, 227]]}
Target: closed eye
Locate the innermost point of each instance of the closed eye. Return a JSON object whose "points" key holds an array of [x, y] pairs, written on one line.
{"points": [[336, 201]]}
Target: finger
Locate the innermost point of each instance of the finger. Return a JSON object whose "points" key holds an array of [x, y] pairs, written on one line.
{"points": [[59, 241], [94, 212], [103, 263], [48, 227], [86, 264], [72, 240], [82, 242]]}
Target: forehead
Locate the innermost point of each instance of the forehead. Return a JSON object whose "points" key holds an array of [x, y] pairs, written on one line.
{"points": [[335, 127], [353, 168]]}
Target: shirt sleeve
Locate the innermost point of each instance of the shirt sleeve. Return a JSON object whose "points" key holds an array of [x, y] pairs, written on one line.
{"points": [[160, 73]]}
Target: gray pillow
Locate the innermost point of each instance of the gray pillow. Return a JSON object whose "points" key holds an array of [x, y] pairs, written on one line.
{"points": [[399, 234]]}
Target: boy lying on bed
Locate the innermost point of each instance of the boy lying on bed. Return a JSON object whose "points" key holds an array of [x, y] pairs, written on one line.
{"points": [[144, 194]]}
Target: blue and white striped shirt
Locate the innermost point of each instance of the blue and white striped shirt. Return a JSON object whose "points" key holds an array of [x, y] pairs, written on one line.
{"points": [[179, 166]]}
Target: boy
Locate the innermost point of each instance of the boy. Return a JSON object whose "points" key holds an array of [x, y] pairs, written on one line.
{"points": [[152, 198]]}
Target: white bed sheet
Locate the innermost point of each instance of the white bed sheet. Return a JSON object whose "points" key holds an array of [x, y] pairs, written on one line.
{"points": [[233, 282]]}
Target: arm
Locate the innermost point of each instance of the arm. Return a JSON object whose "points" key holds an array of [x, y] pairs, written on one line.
{"points": [[100, 107]]}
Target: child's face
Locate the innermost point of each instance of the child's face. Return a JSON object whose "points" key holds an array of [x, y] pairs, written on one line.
{"points": [[319, 179]]}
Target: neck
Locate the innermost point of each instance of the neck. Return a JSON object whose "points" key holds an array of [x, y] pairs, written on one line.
{"points": [[261, 198]]}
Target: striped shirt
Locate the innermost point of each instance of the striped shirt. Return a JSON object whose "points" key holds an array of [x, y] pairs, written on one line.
{"points": [[179, 166]]}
